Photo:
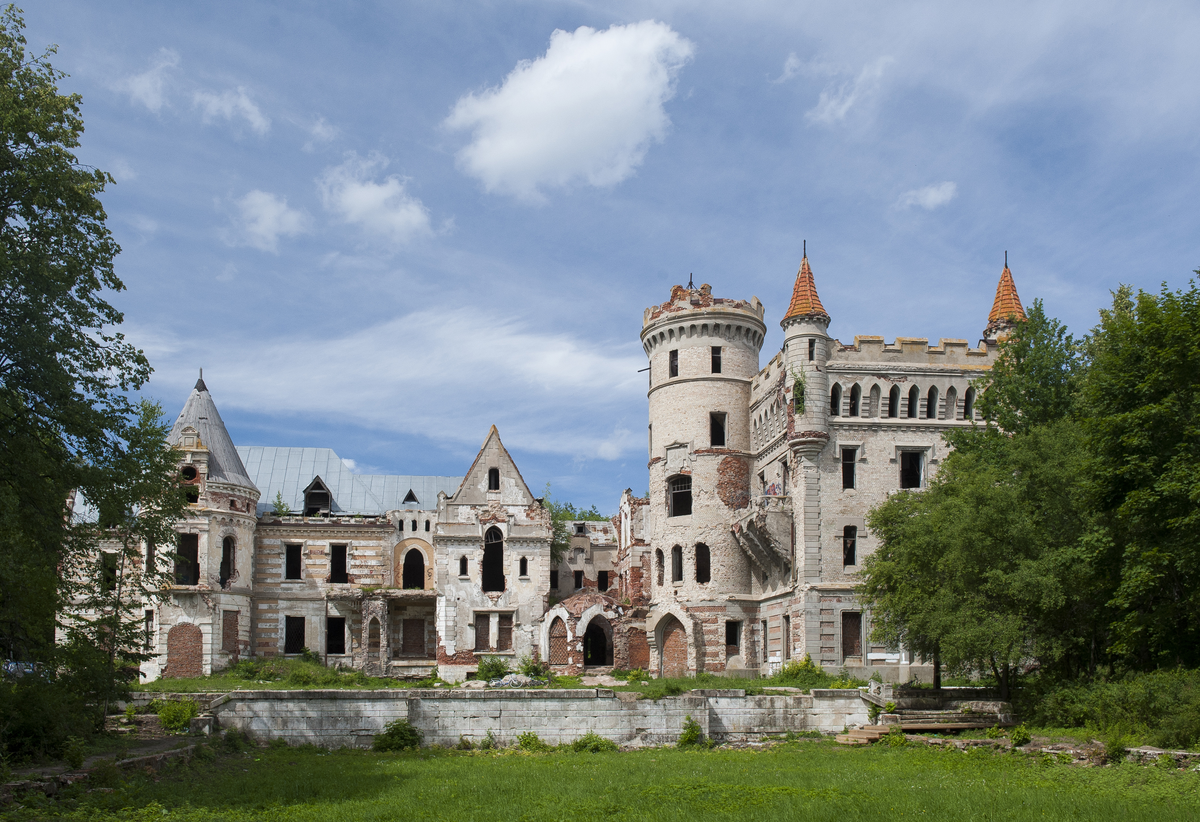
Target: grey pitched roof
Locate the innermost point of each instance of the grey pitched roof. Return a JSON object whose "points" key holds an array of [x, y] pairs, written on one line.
{"points": [[290, 470], [200, 412]]}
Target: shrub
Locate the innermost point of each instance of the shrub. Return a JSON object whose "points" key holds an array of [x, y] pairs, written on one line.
{"points": [[889, 708], [530, 741], [278, 743], [177, 715], [489, 742], [1020, 736], [592, 742], [310, 656], [873, 712], [398, 735], [692, 736], [464, 744], [994, 732], [532, 668], [637, 675], [804, 674], [73, 752], [1116, 745], [105, 774], [203, 753], [658, 688], [234, 741], [895, 737], [491, 667]]}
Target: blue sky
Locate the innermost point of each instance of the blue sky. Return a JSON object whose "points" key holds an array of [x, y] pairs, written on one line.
{"points": [[383, 227]]}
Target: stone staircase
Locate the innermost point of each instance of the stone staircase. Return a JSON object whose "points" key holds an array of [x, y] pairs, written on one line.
{"points": [[928, 711]]}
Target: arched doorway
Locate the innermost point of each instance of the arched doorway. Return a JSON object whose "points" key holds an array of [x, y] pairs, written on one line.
{"points": [[597, 642], [185, 651], [672, 646], [558, 642], [493, 560], [414, 570]]}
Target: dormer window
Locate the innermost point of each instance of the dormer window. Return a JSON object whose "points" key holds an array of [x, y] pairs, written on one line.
{"points": [[493, 479], [317, 499], [411, 497], [188, 473], [580, 529]]}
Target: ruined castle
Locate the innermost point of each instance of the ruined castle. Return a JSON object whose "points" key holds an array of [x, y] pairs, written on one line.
{"points": [[744, 555]]}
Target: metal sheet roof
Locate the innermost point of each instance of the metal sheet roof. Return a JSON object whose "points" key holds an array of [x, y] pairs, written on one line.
{"points": [[200, 412]]}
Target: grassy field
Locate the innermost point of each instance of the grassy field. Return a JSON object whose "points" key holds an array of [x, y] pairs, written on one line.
{"points": [[796, 781]]}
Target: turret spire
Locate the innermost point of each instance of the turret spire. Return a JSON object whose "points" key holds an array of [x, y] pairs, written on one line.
{"points": [[805, 302], [1006, 308]]}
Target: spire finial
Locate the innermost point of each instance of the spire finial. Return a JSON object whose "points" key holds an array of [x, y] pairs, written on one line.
{"points": [[1006, 258], [805, 254], [200, 386], [691, 284]]}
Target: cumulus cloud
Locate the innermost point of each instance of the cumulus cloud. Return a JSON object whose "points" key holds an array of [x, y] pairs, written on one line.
{"points": [[384, 209], [588, 109], [837, 100], [264, 218], [929, 197], [230, 105], [150, 87], [791, 67], [320, 132]]}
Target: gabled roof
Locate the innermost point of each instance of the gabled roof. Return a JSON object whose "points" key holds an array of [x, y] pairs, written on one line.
{"points": [[476, 478], [805, 302], [200, 412]]}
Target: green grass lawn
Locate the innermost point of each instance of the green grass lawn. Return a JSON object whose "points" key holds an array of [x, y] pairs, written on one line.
{"points": [[804, 780]]}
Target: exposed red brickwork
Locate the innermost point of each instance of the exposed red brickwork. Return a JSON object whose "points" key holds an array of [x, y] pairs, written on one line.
{"points": [[674, 648], [460, 658], [733, 482], [229, 633], [638, 650], [185, 651]]}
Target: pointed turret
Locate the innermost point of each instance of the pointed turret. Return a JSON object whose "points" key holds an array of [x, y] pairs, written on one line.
{"points": [[805, 302], [200, 414], [1007, 310]]}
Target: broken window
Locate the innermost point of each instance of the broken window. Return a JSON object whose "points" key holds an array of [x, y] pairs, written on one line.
{"points": [[914, 399], [108, 572], [188, 473], [703, 563], [462, 566], [716, 359], [524, 567], [835, 400], [187, 560], [910, 469], [337, 564], [931, 404], [677, 564], [849, 461], [293, 634], [148, 627], [151, 556], [410, 497], [716, 429], [602, 580], [504, 631], [969, 404], [493, 560], [855, 399], [413, 525], [787, 637], [850, 545], [679, 497], [733, 638], [335, 635], [493, 479], [658, 566], [483, 628], [293, 562], [554, 580], [851, 634], [316, 499], [894, 402], [812, 349], [192, 493], [578, 580], [673, 364], [228, 546], [762, 627], [413, 576]]}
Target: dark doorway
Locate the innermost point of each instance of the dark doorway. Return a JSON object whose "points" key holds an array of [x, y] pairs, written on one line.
{"points": [[227, 549], [412, 637], [597, 647], [187, 560], [335, 635], [493, 560], [414, 570], [851, 634], [293, 634]]}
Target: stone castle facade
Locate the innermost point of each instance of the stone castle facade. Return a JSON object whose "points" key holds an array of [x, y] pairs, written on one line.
{"points": [[744, 555]]}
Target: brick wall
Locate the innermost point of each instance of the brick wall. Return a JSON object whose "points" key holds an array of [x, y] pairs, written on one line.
{"points": [[185, 651]]}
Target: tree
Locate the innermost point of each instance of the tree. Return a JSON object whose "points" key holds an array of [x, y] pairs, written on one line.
{"points": [[560, 514]]}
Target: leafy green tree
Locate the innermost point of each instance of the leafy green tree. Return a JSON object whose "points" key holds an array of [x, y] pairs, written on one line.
{"points": [[560, 514]]}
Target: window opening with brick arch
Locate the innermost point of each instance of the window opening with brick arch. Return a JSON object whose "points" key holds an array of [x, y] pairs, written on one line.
{"points": [[931, 403], [677, 563], [185, 651], [493, 479], [187, 560], [850, 545], [337, 564], [335, 635], [373, 638], [835, 400], [483, 630], [703, 563], [413, 525], [851, 634], [228, 553], [602, 581], [427, 526], [597, 642], [412, 636], [673, 648], [493, 560], [855, 399], [969, 404], [849, 464], [658, 566], [951, 403], [504, 632], [679, 496], [762, 632], [293, 634], [462, 566], [578, 580], [414, 570], [558, 642], [914, 400], [894, 402]]}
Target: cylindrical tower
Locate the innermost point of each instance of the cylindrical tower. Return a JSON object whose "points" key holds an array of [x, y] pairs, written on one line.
{"points": [[806, 352], [703, 355]]}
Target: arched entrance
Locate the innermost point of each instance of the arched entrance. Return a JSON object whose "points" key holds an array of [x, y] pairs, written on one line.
{"points": [[493, 560], [414, 570], [597, 642], [672, 646], [185, 651], [558, 642]]}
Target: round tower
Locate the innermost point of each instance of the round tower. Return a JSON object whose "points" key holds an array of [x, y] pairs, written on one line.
{"points": [[703, 355], [805, 353]]}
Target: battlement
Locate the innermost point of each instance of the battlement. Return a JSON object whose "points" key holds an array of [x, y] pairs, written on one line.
{"points": [[699, 299], [693, 316], [913, 350]]}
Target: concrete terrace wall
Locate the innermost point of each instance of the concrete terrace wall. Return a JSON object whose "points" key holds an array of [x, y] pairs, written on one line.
{"points": [[353, 718]]}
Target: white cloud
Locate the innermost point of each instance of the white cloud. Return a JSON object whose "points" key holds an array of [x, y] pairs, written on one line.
{"points": [[264, 218], [589, 108], [929, 197], [149, 87], [385, 208], [322, 131], [836, 101], [121, 171], [230, 104], [791, 67]]}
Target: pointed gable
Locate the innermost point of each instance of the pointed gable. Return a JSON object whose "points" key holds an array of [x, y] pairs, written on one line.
{"points": [[493, 456], [805, 302], [200, 414], [1006, 308]]}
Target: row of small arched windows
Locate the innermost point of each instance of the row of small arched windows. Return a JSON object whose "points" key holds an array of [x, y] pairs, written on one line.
{"points": [[918, 406], [702, 566]]}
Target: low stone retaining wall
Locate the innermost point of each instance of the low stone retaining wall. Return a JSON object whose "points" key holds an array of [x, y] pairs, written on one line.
{"points": [[353, 718]]}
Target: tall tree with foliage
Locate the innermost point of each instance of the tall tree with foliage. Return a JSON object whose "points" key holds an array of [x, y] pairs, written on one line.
{"points": [[560, 514]]}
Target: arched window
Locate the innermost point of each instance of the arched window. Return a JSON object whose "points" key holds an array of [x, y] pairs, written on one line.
{"points": [[951, 403], [679, 496], [914, 398], [969, 404], [703, 563], [677, 564], [414, 570], [493, 560], [931, 404], [835, 400], [894, 402], [873, 405], [855, 399], [373, 638], [658, 566], [524, 567], [493, 479], [228, 546], [850, 545], [462, 566]]}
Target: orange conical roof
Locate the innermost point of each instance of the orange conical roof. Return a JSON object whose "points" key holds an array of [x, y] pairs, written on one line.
{"points": [[1007, 305], [805, 302]]}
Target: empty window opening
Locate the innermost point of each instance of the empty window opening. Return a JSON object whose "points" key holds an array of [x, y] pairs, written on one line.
{"points": [[148, 628], [187, 560], [733, 638], [504, 631], [849, 462], [673, 364], [108, 572], [787, 638], [716, 429], [580, 529], [493, 560], [762, 481], [597, 647], [969, 404], [762, 627], [411, 497], [524, 571], [151, 557], [703, 563], [855, 399], [493, 479], [413, 525], [910, 469], [578, 580], [293, 562], [293, 634], [602, 580], [931, 404], [812, 349], [716, 359], [412, 637], [337, 564], [483, 627], [316, 499], [414, 570], [192, 494], [851, 634], [373, 638], [850, 545], [335, 635], [835, 400], [894, 402], [554, 580], [228, 546], [783, 475], [679, 497], [658, 566], [188, 473], [914, 399], [677, 564], [462, 566], [427, 525]]}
